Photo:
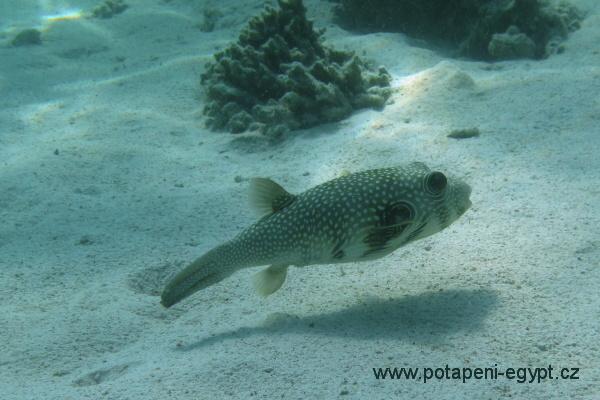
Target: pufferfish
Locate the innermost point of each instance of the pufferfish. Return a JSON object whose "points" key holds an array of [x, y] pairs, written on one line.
{"points": [[356, 217]]}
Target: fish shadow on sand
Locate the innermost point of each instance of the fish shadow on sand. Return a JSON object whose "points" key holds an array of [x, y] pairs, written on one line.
{"points": [[428, 317]]}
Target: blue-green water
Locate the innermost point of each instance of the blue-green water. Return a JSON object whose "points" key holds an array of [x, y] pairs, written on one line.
{"points": [[110, 183]]}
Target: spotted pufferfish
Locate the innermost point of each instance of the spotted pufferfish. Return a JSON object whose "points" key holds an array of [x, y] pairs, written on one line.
{"points": [[356, 217]]}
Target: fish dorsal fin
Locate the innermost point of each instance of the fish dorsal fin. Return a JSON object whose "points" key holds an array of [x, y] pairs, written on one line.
{"points": [[267, 196], [345, 172]]}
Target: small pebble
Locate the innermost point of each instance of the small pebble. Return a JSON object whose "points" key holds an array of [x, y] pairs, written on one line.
{"points": [[464, 133]]}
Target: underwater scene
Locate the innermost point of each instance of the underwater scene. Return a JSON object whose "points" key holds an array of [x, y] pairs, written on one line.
{"points": [[299, 199]]}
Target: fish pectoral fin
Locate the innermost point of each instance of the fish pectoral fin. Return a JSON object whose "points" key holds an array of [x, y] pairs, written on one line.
{"points": [[269, 280], [381, 235], [378, 241]]}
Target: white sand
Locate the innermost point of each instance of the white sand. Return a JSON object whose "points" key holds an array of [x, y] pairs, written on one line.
{"points": [[139, 188]]}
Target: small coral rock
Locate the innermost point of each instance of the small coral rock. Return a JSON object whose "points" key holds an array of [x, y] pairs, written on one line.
{"points": [[109, 9], [511, 45], [27, 37]]}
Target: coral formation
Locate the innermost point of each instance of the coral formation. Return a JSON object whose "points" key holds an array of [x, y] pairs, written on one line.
{"points": [[279, 77], [480, 29]]}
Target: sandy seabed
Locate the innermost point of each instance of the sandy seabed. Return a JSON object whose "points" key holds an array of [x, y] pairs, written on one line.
{"points": [[109, 184]]}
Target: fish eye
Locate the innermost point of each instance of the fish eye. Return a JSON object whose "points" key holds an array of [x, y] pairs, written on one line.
{"points": [[436, 182]]}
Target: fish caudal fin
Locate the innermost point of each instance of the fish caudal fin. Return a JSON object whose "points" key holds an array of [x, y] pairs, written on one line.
{"points": [[202, 273], [269, 280]]}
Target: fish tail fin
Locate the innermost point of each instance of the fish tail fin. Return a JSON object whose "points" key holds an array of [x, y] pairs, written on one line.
{"points": [[207, 270], [269, 280]]}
